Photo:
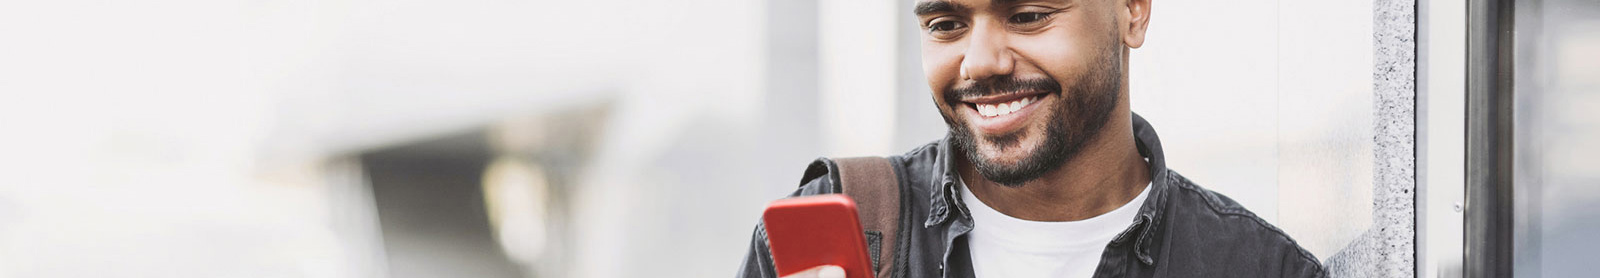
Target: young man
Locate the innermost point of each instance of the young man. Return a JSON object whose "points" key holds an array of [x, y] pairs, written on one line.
{"points": [[1046, 172]]}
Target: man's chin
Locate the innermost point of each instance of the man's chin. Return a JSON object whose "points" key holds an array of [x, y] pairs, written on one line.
{"points": [[1007, 159], [1002, 160], [1005, 148]]}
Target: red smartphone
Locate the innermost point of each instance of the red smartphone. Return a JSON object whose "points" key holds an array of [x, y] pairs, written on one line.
{"points": [[807, 232]]}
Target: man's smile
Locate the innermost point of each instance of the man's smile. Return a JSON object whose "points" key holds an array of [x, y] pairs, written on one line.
{"points": [[1004, 113]]}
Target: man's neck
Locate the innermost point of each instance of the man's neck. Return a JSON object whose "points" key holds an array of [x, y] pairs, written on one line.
{"points": [[1106, 174]]}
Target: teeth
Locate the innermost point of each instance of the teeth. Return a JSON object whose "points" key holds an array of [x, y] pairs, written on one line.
{"points": [[991, 110]]}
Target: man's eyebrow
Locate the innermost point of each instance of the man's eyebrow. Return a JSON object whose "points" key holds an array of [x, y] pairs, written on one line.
{"points": [[937, 6], [942, 6]]}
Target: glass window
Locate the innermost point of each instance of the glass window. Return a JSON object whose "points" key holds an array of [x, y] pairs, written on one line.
{"points": [[1557, 178]]}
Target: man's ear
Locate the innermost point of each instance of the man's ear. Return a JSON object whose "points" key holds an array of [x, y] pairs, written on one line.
{"points": [[1138, 19]]}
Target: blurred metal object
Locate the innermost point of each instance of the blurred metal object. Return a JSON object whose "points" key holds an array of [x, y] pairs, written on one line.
{"points": [[1490, 38]]}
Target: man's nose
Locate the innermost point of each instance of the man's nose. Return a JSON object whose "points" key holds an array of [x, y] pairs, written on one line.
{"points": [[988, 54]]}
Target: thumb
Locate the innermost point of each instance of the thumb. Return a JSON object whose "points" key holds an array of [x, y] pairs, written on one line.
{"points": [[829, 271], [826, 271]]}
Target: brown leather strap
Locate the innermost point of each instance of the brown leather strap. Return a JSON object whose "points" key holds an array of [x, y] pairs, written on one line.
{"points": [[872, 182]]}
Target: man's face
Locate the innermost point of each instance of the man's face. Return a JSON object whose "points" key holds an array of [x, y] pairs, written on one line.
{"points": [[1022, 84]]}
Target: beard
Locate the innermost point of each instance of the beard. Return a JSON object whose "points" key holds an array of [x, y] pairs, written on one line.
{"points": [[1071, 122]]}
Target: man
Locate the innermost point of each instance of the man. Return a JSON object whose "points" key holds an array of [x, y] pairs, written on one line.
{"points": [[1046, 172]]}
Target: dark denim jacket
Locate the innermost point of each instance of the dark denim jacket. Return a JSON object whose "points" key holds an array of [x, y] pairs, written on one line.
{"points": [[1183, 230]]}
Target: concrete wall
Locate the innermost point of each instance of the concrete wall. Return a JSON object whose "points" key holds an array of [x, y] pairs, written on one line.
{"points": [[1387, 247]]}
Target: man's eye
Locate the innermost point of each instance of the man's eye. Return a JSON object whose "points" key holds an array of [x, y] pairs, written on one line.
{"points": [[944, 26], [1026, 18]]}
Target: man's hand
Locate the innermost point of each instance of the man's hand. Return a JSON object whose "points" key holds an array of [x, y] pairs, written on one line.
{"points": [[826, 271]]}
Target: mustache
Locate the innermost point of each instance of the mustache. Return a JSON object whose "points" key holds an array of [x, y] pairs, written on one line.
{"points": [[1000, 85]]}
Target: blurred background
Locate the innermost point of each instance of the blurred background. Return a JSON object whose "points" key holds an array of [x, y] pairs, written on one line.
{"points": [[629, 138], [1557, 164]]}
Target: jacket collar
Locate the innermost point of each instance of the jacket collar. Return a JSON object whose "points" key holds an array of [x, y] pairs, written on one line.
{"points": [[1143, 231]]}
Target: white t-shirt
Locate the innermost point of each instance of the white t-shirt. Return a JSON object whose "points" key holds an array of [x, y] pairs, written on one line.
{"points": [[1004, 246]]}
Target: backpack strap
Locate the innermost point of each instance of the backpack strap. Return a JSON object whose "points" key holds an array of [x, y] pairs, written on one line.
{"points": [[875, 186]]}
